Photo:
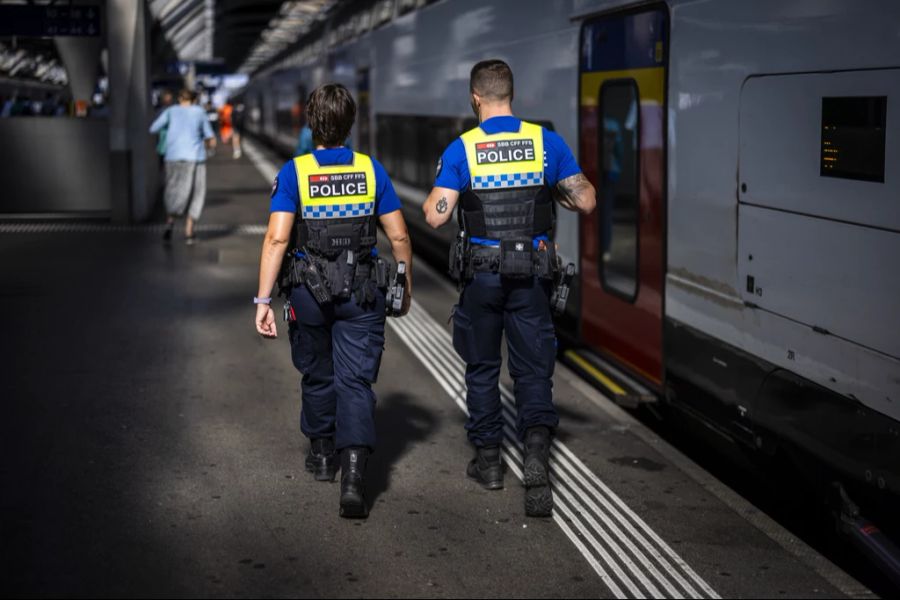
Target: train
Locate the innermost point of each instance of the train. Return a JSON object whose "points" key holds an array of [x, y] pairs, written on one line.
{"points": [[741, 267]]}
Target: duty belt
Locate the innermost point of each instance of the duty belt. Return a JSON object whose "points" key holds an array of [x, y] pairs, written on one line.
{"points": [[329, 280], [488, 259]]}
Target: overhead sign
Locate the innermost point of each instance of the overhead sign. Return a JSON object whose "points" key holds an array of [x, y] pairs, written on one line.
{"points": [[49, 20]]}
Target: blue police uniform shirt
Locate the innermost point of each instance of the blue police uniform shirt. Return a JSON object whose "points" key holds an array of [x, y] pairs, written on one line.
{"points": [[453, 170], [286, 192]]}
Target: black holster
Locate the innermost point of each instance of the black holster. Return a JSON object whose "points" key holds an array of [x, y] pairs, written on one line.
{"points": [[460, 259], [310, 273], [560, 296]]}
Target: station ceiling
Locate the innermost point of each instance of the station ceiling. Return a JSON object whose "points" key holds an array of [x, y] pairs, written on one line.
{"points": [[242, 33]]}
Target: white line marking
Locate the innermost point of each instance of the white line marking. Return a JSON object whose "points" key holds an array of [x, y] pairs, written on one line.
{"points": [[616, 531], [513, 443], [636, 519], [265, 167], [513, 460], [458, 395], [778, 534], [430, 338], [428, 325]]}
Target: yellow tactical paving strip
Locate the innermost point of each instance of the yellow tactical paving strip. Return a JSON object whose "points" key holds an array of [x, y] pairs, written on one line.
{"points": [[595, 372]]}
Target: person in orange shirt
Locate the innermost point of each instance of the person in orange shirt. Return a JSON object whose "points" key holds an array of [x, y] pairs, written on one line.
{"points": [[225, 129], [231, 121]]}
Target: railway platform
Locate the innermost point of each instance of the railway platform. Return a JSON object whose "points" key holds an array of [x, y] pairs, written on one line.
{"points": [[151, 447]]}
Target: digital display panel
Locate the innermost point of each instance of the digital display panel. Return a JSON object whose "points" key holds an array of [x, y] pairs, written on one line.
{"points": [[49, 20], [853, 134]]}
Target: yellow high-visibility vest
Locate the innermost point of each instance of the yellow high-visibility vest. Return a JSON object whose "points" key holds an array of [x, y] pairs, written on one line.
{"points": [[335, 191], [509, 159]]}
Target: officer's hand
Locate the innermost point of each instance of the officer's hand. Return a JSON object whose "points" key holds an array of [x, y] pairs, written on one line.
{"points": [[265, 321], [407, 301]]}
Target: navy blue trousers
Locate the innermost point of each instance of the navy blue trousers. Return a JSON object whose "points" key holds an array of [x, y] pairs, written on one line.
{"points": [[338, 349], [488, 306]]}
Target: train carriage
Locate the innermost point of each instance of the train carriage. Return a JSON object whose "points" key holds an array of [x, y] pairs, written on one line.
{"points": [[741, 264]]}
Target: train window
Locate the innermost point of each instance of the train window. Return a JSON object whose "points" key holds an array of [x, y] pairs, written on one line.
{"points": [[853, 130], [619, 188], [410, 145]]}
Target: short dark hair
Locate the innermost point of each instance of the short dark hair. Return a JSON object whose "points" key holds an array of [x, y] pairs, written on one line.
{"points": [[492, 80], [331, 112], [186, 95]]}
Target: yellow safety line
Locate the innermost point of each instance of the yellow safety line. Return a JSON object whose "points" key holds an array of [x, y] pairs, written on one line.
{"points": [[594, 372]]}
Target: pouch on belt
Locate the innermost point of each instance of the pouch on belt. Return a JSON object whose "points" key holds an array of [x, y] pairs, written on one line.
{"points": [[516, 258]]}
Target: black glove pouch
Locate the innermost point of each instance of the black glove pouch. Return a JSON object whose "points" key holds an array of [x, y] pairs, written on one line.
{"points": [[516, 258]]}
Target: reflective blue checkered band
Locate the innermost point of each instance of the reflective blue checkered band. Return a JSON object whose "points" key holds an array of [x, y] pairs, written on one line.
{"points": [[337, 211], [513, 180]]}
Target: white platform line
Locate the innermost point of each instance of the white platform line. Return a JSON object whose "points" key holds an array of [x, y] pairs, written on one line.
{"points": [[454, 394], [446, 356], [430, 341], [445, 365], [456, 388], [509, 405], [265, 167]]}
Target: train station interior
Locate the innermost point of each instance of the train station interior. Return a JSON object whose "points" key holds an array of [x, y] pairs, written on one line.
{"points": [[698, 201]]}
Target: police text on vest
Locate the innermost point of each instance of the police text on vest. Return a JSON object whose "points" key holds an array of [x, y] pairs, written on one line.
{"points": [[338, 184], [504, 151]]}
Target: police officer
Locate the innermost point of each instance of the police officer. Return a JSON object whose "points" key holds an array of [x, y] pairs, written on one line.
{"points": [[323, 211], [502, 177]]}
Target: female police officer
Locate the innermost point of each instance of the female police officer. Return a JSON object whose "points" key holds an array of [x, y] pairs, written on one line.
{"points": [[323, 209], [504, 174]]}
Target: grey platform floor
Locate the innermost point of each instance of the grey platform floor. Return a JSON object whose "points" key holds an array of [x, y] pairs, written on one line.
{"points": [[150, 447]]}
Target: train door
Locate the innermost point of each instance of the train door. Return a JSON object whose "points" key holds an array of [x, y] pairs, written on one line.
{"points": [[622, 133]]}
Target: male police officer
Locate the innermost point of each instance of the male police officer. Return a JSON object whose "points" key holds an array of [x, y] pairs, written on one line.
{"points": [[504, 174], [326, 203]]}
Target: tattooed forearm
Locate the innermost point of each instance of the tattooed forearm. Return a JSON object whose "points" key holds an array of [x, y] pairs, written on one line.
{"points": [[576, 193], [442, 205]]}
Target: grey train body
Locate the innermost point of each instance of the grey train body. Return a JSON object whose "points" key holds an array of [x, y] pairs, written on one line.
{"points": [[780, 285]]}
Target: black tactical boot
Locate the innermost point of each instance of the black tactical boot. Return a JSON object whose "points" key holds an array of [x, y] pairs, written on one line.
{"points": [[536, 473], [353, 469], [487, 468], [321, 459]]}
